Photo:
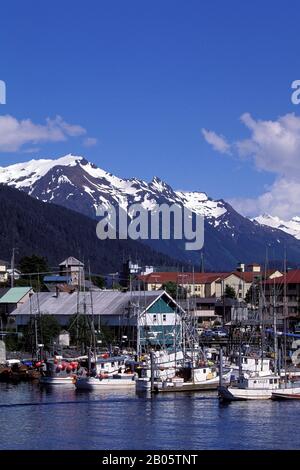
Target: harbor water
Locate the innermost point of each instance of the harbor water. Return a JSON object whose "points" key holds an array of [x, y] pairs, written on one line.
{"points": [[63, 418]]}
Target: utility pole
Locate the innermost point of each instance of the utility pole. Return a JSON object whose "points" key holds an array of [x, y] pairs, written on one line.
{"points": [[12, 277]]}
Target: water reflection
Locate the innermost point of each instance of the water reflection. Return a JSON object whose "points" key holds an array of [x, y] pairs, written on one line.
{"points": [[63, 418]]}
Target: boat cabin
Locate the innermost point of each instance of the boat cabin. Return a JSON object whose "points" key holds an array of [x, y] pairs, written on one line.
{"points": [[110, 365], [266, 382]]}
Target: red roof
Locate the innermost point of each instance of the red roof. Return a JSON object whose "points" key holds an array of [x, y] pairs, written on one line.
{"points": [[197, 278], [179, 278], [247, 276], [291, 277], [182, 278]]}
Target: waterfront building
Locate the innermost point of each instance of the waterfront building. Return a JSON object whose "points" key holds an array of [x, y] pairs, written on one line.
{"points": [[153, 317]]}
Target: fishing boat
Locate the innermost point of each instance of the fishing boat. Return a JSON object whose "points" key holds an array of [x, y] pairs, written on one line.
{"points": [[287, 393], [202, 378], [161, 364], [250, 388], [57, 371], [185, 373], [250, 365], [106, 372]]}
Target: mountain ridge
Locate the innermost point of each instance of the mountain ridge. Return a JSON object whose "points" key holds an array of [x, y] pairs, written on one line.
{"points": [[77, 184]]}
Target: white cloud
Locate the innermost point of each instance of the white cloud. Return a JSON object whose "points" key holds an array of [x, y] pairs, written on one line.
{"points": [[273, 146], [282, 199], [218, 142], [14, 134], [90, 141]]}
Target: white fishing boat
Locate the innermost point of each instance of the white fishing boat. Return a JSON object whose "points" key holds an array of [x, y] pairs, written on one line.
{"points": [[287, 393], [250, 388], [163, 368], [59, 372], [118, 381], [249, 366], [202, 378], [177, 376], [107, 372]]}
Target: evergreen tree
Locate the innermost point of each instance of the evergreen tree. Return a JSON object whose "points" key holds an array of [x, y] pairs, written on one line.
{"points": [[230, 292]]}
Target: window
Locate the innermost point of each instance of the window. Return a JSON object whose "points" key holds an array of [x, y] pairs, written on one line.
{"points": [[164, 317], [154, 317], [271, 381], [204, 371]]}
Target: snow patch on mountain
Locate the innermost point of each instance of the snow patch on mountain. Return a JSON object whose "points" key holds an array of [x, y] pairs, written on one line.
{"points": [[202, 204], [291, 227], [22, 175]]}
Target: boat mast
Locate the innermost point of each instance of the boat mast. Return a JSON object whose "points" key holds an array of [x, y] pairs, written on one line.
{"points": [[284, 318], [93, 338], [262, 327], [275, 330]]}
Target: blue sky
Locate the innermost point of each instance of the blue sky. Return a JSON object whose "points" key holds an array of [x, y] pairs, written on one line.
{"points": [[144, 77]]}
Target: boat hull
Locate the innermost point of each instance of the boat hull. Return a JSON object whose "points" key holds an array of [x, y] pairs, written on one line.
{"points": [[179, 386], [287, 394], [240, 394], [91, 383], [67, 381]]}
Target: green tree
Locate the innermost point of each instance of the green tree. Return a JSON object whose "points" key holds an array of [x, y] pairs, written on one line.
{"points": [[48, 329], [80, 331], [252, 295], [171, 288], [98, 281], [230, 292], [174, 290], [33, 264]]}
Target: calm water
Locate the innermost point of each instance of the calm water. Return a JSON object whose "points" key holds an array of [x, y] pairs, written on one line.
{"points": [[32, 418]]}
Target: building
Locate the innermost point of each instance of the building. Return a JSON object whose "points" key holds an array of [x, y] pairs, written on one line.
{"points": [[15, 273], [194, 284], [203, 310], [232, 311], [154, 317], [11, 300], [276, 290], [207, 285], [4, 277], [72, 269], [55, 281]]}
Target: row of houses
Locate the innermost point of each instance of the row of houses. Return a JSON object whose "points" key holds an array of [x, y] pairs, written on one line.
{"points": [[154, 313], [6, 272], [210, 285], [204, 298], [70, 271]]}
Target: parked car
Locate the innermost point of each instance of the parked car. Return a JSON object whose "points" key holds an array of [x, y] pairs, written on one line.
{"points": [[220, 333], [208, 334]]}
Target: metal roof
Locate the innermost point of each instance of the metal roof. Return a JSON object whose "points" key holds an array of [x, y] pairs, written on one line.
{"points": [[57, 278], [71, 261], [105, 302], [14, 295]]}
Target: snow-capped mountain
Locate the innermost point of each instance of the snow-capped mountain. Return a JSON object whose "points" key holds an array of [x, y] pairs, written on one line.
{"points": [[76, 183], [291, 226], [73, 182]]}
